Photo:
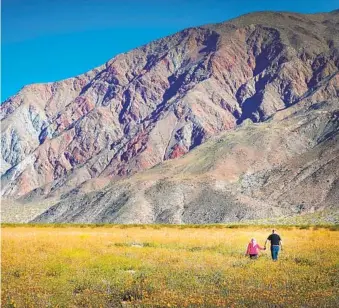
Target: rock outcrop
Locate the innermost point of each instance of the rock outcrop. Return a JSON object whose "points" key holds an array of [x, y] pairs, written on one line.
{"points": [[278, 71]]}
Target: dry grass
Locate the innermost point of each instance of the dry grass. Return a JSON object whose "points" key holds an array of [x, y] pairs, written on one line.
{"points": [[161, 266]]}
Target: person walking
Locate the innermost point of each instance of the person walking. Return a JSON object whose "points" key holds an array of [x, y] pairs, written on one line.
{"points": [[276, 244], [253, 249]]}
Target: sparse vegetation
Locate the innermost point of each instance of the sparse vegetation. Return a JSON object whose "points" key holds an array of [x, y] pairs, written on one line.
{"points": [[166, 266]]}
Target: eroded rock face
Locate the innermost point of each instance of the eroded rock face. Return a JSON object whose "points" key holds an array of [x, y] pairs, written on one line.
{"points": [[278, 168], [286, 166], [162, 100]]}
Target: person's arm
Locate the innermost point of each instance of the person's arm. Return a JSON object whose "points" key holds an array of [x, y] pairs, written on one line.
{"points": [[268, 239], [266, 243], [261, 248], [280, 243], [248, 250]]}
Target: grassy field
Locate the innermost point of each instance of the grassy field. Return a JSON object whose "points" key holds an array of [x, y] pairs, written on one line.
{"points": [[166, 266]]}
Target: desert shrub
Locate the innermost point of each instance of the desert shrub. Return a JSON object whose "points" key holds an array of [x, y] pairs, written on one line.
{"points": [[303, 261]]}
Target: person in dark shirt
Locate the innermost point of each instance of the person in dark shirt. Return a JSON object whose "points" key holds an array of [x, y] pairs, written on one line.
{"points": [[276, 244]]}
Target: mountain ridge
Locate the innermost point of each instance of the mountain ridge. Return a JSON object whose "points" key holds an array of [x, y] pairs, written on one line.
{"points": [[162, 100]]}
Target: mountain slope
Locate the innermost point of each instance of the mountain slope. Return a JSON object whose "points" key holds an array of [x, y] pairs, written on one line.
{"points": [[232, 177], [162, 100]]}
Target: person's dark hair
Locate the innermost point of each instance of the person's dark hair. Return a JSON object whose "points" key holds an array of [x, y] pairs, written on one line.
{"points": [[273, 231]]}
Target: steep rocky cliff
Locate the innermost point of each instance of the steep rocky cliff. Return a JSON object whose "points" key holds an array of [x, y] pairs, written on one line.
{"points": [[100, 130]]}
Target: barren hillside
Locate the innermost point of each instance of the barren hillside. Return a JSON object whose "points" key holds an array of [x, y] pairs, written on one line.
{"points": [[225, 122]]}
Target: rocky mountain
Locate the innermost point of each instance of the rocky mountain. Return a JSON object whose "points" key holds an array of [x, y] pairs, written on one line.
{"points": [[225, 122]]}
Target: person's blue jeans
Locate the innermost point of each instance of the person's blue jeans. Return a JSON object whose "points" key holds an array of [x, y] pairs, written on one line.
{"points": [[274, 252]]}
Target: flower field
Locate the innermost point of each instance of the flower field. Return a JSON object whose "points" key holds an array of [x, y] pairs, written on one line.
{"points": [[166, 266]]}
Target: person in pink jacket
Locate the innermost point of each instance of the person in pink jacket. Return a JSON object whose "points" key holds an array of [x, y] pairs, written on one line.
{"points": [[253, 249]]}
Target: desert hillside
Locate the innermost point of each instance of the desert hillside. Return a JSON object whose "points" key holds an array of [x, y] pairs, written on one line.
{"points": [[225, 122]]}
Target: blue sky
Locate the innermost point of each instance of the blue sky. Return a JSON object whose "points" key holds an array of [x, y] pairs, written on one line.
{"points": [[49, 40]]}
